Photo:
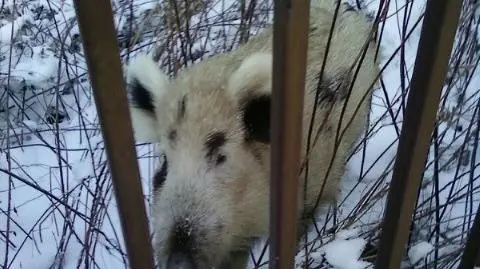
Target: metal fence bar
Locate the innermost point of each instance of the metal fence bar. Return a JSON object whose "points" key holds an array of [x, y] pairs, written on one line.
{"points": [[290, 40], [435, 45], [103, 59]]}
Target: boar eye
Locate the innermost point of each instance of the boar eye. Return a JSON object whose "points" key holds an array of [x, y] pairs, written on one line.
{"points": [[213, 144], [220, 159], [161, 174]]}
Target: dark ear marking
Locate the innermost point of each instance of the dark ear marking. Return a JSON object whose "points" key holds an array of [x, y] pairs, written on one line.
{"points": [[141, 97], [256, 118], [213, 144], [182, 108], [161, 175]]}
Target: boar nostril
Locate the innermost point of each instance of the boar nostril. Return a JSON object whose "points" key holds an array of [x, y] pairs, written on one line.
{"points": [[179, 261], [181, 238], [181, 246]]}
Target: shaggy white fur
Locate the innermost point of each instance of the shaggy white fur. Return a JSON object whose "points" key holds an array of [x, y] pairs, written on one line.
{"points": [[212, 121]]}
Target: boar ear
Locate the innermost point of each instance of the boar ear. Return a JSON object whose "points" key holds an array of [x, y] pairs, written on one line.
{"points": [[146, 84], [250, 86], [254, 75]]}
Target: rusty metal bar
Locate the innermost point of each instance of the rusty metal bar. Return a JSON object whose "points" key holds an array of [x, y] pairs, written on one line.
{"points": [[435, 45], [290, 40], [471, 257], [103, 59]]}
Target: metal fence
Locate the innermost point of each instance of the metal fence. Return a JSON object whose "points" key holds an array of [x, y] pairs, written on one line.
{"points": [[290, 35]]}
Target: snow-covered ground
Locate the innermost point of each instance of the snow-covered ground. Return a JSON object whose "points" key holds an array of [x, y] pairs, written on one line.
{"points": [[56, 199]]}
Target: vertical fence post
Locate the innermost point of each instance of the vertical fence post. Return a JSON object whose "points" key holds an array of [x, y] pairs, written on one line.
{"points": [[471, 257], [103, 59], [435, 45], [290, 40]]}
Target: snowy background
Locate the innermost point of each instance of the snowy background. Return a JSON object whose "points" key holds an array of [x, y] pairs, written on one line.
{"points": [[57, 207]]}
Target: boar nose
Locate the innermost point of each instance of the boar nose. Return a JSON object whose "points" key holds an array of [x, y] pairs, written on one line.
{"points": [[181, 246], [179, 261]]}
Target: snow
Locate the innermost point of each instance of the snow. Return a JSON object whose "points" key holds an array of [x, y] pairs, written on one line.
{"points": [[29, 69], [30, 124], [82, 169], [344, 254], [77, 176], [419, 251], [10, 30]]}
